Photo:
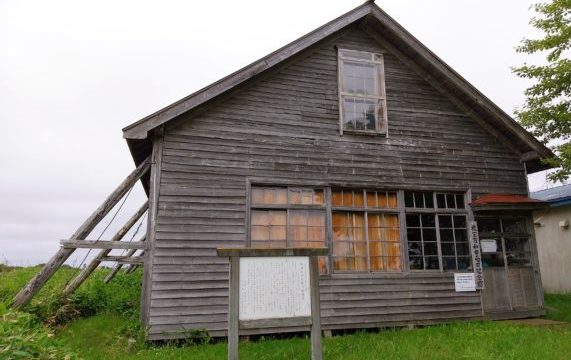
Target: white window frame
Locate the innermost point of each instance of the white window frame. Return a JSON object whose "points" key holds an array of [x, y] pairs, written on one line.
{"points": [[381, 123]]}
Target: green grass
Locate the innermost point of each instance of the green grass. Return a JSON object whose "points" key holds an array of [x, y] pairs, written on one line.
{"points": [[558, 307], [100, 322]]}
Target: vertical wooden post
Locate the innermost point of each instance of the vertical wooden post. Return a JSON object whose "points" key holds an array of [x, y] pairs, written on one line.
{"points": [[118, 267], [84, 274], [38, 281], [316, 353], [234, 308]]}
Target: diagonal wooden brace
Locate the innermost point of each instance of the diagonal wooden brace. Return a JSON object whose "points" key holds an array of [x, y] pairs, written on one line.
{"points": [[27, 292], [84, 274], [118, 267]]}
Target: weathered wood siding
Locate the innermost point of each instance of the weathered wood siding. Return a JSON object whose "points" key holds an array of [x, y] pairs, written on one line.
{"points": [[285, 127]]}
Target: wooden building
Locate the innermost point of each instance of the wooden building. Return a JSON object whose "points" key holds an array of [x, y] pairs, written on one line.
{"points": [[355, 137]]}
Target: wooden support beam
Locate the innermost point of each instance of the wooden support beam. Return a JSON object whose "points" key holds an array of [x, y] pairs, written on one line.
{"points": [[103, 244], [135, 260], [27, 292], [84, 274], [132, 268], [118, 267]]}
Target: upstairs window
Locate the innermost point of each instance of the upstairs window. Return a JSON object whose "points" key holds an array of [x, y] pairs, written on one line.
{"points": [[362, 98]]}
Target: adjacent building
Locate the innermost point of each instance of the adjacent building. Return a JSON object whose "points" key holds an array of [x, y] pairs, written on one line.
{"points": [[553, 232]]}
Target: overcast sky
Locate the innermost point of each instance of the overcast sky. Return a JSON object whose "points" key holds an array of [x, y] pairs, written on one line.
{"points": [[74, 73]]}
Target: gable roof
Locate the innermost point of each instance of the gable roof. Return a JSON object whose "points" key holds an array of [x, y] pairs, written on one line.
{"points": [[379, 25]]}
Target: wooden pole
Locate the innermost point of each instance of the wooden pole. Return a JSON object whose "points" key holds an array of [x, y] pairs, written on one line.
{"points": [[118, 267], [316, 352], [27, 293], [84, 274], [234, 309]]}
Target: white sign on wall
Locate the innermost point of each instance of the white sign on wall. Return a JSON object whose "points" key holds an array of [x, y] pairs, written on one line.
{"points": [[489, 245], [274, 287], [464, 282]]}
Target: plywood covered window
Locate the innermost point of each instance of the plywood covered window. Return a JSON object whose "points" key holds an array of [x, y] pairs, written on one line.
{"points": [[436, 231], [283, 217], [362, 92], [366, 235]]}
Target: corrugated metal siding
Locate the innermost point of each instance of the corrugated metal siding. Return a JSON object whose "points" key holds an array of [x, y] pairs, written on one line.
{"points": [[285, 126]]}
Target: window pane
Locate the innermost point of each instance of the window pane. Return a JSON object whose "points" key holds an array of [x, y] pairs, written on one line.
{"points": [[358, 199], [445, 221], [459, 222], [359, 78], [268, 228], [460, 235], [416, 263], [514, 226], [429, 234], [446, 235], [450, 201], [412, 220], [355, 54], [392, 200], [269, 196], [430, 248], [462, 248], [464, 263], [487, 225], [449, 263], [441, 201], [359, 114], [517, 244], [419, 200], [408, 199], [415, 249], [431, 263], [413, 234], [428, 200], [372, 201], [447, 249], [307, 228], [305, 196], [427, 220], [460, 201]]}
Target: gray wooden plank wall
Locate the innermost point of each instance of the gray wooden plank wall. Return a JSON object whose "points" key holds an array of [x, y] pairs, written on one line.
{"points": [[285, 127]]}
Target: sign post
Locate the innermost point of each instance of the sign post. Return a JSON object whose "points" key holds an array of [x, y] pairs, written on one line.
{"points": [[476, 255], [272, 288]]}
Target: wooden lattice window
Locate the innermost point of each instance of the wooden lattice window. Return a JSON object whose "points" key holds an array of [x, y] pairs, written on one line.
{"points": [[436, 231], [366, 236]]}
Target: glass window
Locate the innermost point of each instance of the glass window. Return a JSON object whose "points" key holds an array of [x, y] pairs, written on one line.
{"points": [[365, 238], [361, 86], [436, 239]]}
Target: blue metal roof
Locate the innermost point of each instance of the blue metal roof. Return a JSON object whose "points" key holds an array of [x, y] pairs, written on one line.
{"points": [[557, 196]]}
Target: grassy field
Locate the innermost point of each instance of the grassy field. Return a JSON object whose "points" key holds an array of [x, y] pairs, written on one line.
{"points": [[100, 322]]}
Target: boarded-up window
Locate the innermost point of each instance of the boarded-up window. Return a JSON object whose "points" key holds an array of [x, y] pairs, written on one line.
{"points": [[282, 217], [366, 235]]}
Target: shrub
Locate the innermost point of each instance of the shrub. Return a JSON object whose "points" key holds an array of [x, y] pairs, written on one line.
{"points": [[22, 337]]}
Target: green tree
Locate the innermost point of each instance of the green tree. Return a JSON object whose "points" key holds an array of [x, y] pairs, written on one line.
{"points": [[547, 111]]}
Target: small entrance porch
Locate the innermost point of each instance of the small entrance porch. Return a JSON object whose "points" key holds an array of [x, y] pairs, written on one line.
{"points": [[509, 256]]}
